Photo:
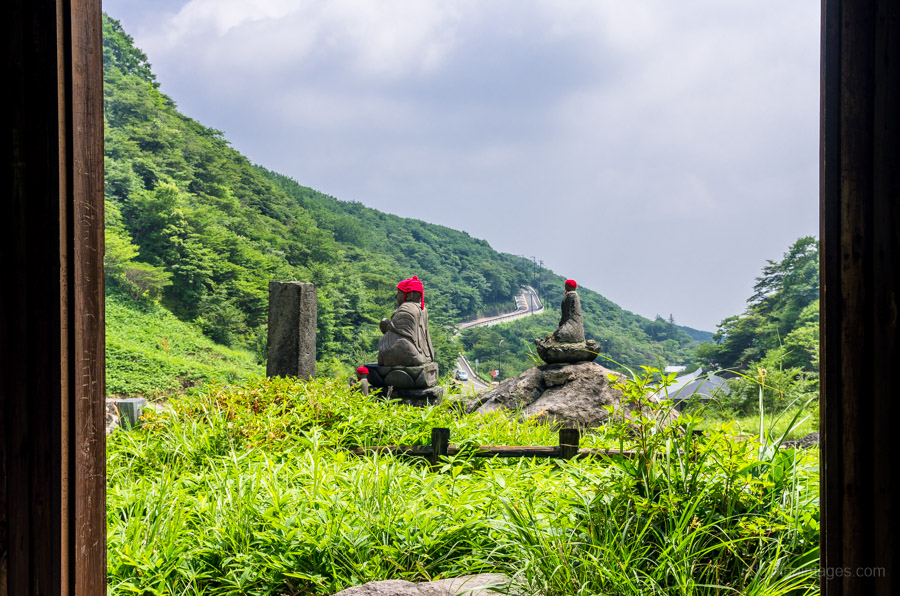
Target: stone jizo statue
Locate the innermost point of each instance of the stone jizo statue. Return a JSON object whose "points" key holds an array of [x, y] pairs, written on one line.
{"points": [[571, 325], [406, 341], [567, 344], [406, 368], [361, 383]]}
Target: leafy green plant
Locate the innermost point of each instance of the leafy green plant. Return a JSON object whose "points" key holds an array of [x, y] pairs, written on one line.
{"points": [[687, 515]]}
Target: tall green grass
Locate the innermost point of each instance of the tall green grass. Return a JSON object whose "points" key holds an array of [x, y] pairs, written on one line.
{"points": [[251, 490]]}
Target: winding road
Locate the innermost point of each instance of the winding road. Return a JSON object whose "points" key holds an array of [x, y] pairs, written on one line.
{"points": [[527, 303], [475, 384]]}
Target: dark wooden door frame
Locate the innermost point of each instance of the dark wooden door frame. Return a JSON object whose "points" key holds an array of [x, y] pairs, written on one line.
{"points": [[860, 296], [52, 368]]}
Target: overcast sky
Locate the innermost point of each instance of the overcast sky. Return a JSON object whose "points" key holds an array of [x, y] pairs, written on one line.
{"points": [[658, 152]]}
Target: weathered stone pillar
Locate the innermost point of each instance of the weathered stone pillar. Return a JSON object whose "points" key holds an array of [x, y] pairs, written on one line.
{"points": [[291, 344]]}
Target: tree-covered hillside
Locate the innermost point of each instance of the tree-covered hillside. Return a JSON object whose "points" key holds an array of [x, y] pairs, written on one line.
{"points": [[626, 339], [781, 319], [193, 225], [774, 344]]}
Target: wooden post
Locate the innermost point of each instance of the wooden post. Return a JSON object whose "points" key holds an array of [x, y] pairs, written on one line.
{"points": [[440, 443], [859, 289], [568, 442]]}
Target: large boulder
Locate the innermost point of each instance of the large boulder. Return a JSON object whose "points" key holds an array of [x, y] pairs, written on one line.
{"points": [[570, 395]]}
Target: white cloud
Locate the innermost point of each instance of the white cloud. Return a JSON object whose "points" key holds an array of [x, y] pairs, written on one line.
{"points": [[385, 39], [393, 37], [221, 16], [612, 125]]}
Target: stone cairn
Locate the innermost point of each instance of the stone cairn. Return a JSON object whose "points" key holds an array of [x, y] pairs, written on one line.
{"points": [[406, 369]]}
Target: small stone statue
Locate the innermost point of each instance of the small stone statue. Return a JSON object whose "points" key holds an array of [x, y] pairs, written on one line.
{"points": [[571, 325], [406, 341], [361, 383], [405, 354], [567, 343]]}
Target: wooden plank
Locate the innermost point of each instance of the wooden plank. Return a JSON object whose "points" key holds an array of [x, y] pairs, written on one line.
{"points": [[886, 292], [89, 382], [860, 284], [514, 451], [481, 451], [30, 364], [855, 327], [66, 338], [489, 451], [830, 462]]}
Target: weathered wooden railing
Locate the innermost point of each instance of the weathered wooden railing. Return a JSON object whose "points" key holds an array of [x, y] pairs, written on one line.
{"points": [[568, 448]]}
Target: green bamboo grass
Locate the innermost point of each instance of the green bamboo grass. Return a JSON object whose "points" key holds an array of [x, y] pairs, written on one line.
{"points": [[251, 490]]}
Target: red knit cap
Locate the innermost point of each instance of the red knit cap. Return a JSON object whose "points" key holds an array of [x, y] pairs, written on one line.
{"points": [[571, 284], [362, 370], [413, 285]]}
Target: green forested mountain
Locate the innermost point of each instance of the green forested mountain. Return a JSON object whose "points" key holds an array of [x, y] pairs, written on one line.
{"points": [[626, 339], [196, 228], [697, 334]]}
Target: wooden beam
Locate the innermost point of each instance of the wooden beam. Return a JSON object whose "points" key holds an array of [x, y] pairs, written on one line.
{"points": [[31, 500], [88, 299], [491, 451], [860, 290]]}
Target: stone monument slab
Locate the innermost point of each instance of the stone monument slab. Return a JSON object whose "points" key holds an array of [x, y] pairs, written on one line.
{"points": [[130, 411], [291, 342]]}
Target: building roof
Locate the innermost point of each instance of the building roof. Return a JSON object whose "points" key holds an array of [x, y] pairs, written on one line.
{"points": [[704, 386]]}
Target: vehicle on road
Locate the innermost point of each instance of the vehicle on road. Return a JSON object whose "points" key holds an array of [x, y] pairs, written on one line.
{"points": [[462, 375]]}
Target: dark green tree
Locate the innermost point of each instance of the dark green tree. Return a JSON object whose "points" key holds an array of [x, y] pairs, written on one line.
{"points": [[780, 305]]}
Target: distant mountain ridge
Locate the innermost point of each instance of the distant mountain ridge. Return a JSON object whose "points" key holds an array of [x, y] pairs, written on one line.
{"points": [[192, 224], [696, 334]]}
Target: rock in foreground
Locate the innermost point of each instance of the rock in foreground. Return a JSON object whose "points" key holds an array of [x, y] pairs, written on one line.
{"points": [[470, 585], [571, 395], [810, 440]]}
